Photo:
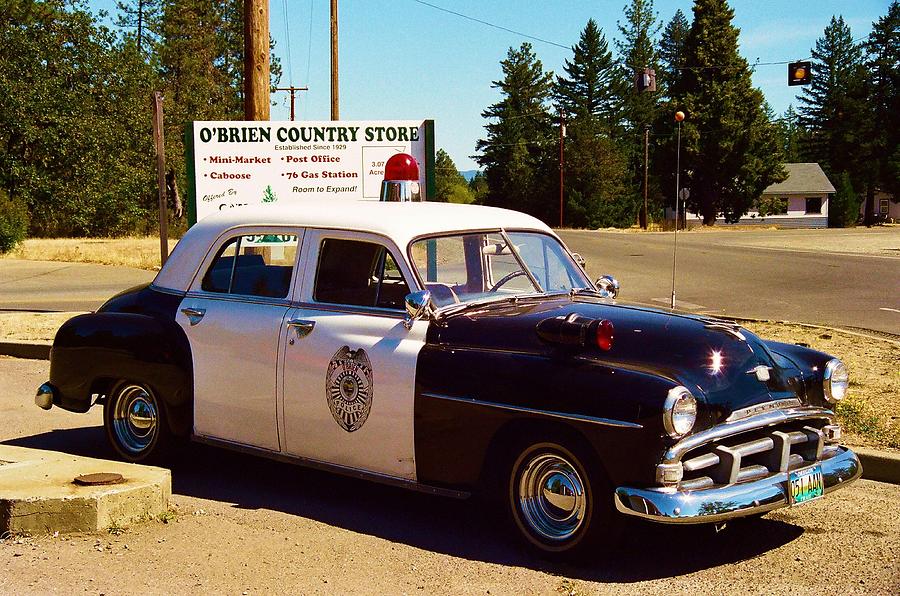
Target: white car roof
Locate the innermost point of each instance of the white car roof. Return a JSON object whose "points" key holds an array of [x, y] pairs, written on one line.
{"points": [[401, 222]]}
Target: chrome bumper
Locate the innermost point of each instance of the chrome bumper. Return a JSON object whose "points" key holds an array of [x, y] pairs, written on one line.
{"points": [[669, 505]]}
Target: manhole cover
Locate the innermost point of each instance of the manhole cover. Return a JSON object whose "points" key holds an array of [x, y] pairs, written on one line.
{"points": [[98, 479]]}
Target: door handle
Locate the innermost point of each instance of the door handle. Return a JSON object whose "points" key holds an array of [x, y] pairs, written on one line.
{"points": [[303, 328], [194, 314]]}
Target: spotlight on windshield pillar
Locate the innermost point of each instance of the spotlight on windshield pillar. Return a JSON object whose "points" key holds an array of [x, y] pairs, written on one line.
{"points": [[799, 73], [679, 116], [401, 179]]}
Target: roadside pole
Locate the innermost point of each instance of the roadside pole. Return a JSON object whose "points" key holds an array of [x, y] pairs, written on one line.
{"points": [[161, 177], [335, 109], [256, 60]]}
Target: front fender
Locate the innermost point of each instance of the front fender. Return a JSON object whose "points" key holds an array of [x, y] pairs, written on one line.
{"points": [[94, 350]]}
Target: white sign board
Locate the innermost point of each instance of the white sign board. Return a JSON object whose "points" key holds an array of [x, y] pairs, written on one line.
{"points": [[246, 162]]}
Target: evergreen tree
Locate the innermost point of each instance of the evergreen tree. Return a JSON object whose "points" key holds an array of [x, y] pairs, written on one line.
{"points": [[451, 186], [843, 208], [590, 87], [518, 138], [638, 50], [671, 53], [730, 150], [884, 67], [834, 108], [478, 187], [142, 16], [790, 135]]}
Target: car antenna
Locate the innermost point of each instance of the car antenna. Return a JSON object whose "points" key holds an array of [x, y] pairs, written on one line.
{"points": [[679, 117]]}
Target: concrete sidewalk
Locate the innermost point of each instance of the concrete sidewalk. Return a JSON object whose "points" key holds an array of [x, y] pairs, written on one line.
{"points": [[38, 494]]}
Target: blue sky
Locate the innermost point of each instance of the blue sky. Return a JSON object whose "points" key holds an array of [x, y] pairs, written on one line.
{"points": [[404, 60]]}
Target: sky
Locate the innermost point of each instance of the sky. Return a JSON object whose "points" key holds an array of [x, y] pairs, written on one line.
{"points": [[404, 60]]}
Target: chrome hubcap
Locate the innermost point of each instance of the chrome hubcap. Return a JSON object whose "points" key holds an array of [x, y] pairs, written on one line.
{"points": [[551, 497], [135, 418]]}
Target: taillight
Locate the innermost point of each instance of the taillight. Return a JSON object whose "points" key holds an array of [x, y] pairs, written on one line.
{"points": [[604, 334]]}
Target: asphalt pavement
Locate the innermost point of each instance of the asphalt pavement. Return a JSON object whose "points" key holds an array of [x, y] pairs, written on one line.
{"points": [[715, 275], [52, 285]]}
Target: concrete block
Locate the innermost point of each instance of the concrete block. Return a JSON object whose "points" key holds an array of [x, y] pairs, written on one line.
{"points": [[38, 494]]}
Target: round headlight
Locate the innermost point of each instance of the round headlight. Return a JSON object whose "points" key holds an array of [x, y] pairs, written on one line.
{"points": [[836, 380], [680, 412]]}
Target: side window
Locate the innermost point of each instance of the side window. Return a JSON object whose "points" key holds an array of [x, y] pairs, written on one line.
{"points": [[253, 265], [358, 273]]}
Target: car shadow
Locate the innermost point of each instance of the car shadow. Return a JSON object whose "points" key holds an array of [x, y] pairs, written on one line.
{"points": [[471, 529]]}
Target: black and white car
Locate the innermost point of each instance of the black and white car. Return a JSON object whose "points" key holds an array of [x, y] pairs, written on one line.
{"points": [[453, 349]]}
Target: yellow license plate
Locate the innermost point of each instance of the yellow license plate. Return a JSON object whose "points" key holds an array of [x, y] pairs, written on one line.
{"points": [[806, 485]]}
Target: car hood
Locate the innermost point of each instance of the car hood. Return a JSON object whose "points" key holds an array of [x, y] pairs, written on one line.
{"points": [[684, 349]]}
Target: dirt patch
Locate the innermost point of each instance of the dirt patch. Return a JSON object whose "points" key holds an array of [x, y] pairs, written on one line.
{"points": [[138, 252], [869, 414], [32, 326]]}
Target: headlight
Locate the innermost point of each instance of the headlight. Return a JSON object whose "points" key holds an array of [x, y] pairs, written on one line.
{"points": [[680, 412], [836, 381]]}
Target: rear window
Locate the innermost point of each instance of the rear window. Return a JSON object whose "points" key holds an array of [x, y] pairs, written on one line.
{"points": [[253, 265]]}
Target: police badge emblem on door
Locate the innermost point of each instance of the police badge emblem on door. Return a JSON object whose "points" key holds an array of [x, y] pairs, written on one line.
{"points": [[348, 388]]}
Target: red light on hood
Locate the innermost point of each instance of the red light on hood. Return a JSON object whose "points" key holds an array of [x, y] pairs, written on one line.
{"points": [[605, 333], [401, 167]]}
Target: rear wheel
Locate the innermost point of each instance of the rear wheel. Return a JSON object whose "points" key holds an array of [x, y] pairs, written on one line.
{"points": [[135, 422], [558, 499]]}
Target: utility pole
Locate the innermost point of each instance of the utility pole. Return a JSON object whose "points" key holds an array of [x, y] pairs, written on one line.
{"points": [[646, 222], [335, 112], [161, 176], [292, 90], [562, 136], [256, 60]]}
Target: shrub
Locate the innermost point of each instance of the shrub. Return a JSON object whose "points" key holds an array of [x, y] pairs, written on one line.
{"points": [[13, 222]]}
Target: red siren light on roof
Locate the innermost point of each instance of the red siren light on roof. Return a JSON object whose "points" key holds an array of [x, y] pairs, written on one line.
{"points": [[401, 167], [401, 179]]}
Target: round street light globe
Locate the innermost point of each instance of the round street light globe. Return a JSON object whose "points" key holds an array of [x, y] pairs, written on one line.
{"points": [[401, 167], [679, 116]]}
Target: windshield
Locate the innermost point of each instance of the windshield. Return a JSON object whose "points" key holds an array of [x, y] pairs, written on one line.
{"points": [[476, 266]]}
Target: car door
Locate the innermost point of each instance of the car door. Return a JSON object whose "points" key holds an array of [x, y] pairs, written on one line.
{"points": [[349, 361], [233, 317]]}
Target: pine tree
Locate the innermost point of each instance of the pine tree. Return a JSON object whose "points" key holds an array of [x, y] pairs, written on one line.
{"points": [[144, 17], [730, 150], [843, 208], [589, 89], [884, 65], [519, 134], [790, 135], [451, 186], [671, 53], [833, 109]]}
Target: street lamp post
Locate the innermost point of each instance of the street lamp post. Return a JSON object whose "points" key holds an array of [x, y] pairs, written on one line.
{"points": [[679, 117]]}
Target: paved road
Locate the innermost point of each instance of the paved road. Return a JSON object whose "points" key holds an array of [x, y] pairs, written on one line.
{"points": [[717, 276], [49, 285], [252, 525]]}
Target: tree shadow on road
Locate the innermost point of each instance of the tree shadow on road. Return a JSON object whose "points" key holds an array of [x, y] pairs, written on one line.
{"points": [[472, 529]]}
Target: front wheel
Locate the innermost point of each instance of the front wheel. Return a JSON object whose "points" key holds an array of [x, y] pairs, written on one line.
{"points": [[558, 499], [135, 422]]}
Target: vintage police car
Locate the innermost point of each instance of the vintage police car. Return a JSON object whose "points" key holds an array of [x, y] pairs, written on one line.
{"points": [[453, 349]]}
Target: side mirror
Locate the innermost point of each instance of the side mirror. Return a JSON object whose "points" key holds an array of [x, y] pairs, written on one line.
{"points": [[579, 259], [418, 306], [608, 286]]}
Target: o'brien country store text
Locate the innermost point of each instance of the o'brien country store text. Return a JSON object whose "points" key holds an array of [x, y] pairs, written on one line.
{"points": [[307, 134]]}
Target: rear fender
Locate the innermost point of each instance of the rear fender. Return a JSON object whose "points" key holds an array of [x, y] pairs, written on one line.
{"points": [[91, 352]]}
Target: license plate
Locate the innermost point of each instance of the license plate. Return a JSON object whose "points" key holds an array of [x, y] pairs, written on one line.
{"points": [[806, 485]]}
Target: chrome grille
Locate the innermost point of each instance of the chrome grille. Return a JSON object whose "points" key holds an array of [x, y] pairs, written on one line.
{"points": [[755, 454]]}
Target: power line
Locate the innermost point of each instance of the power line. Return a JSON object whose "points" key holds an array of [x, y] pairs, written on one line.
{"points": [[287, 37], [489, 24]]}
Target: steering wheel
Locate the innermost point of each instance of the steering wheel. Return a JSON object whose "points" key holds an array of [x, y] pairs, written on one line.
{"points": [[505, 279]]}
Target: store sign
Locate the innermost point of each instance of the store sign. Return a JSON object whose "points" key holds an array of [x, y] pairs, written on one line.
{"points": [[249, 163]]}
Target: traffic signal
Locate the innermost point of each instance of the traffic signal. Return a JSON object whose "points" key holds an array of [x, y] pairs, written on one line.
{"points": [[799, 73], [645, 80]]}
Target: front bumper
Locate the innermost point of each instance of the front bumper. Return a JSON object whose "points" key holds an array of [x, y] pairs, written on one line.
{"points": [[669, 505]]}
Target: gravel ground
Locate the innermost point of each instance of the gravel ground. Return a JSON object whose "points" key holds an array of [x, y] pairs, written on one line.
{"points": [[245, 525]]}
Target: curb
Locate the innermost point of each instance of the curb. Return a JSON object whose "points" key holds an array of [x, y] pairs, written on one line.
{"points": [[27, 350], [883, 466]]}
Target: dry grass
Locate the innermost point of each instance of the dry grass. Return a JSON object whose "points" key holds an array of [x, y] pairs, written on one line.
{"points": [[32, 326], [138, 252], [870, 411]]}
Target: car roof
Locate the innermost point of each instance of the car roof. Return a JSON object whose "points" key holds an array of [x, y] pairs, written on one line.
{"points": [[401, 222]]}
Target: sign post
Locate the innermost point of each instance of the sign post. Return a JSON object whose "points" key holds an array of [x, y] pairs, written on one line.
{"points": [[161, 177]]}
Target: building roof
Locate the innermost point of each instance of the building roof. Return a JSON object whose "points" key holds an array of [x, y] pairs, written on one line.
{"points": [[802, 178], [401, 222]]}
